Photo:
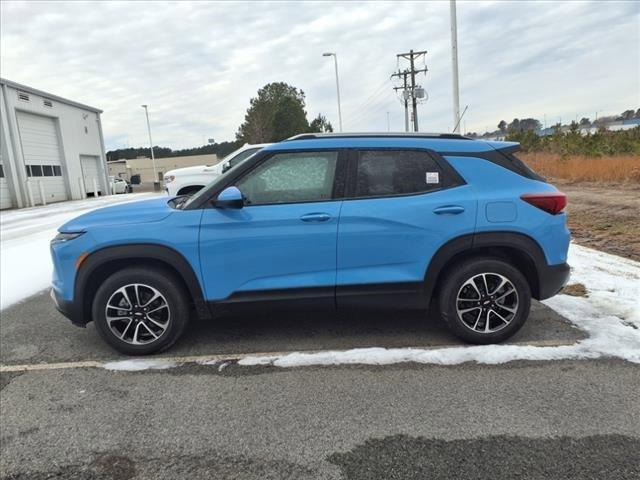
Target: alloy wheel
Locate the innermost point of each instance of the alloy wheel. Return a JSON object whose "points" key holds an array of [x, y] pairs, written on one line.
{"points": [[487, 302], [137, 314]]}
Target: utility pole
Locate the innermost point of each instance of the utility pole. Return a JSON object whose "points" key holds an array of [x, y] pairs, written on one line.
{"points": [[405, 96], [412, 57], [454, 65], [156, 182]]}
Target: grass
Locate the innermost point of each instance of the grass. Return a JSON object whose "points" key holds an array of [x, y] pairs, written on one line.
{"points": [[578, 168], [575, 290]]}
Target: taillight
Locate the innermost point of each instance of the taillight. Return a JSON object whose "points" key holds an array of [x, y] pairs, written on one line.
{"points": [[550, 202]]}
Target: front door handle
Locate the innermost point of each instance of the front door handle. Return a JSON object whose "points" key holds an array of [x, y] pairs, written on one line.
{"points": [[315, 217], [448, 210]]}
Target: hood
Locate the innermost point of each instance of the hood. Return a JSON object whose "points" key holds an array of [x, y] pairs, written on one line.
{"points": [[142, 211], [209, 169]]}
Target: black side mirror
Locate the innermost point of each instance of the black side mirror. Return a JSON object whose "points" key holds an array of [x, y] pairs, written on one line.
{"points": [[230, 197], [225, 167]]}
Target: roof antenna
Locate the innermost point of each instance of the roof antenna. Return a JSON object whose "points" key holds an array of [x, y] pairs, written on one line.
{"points": [[463, 112]]}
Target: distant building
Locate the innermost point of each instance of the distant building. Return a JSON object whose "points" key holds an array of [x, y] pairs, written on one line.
{"points": [[623, 124], [51, 148], [144, 167]]}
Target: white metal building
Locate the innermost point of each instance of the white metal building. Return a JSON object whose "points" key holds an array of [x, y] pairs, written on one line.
{"points": [[51, 148]]}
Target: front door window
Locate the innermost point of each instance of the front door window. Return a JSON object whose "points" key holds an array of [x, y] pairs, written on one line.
{"points": [[291, 178]]}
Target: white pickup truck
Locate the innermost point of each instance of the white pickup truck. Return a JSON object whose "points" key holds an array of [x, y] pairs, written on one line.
{"points": [[188, 180]]}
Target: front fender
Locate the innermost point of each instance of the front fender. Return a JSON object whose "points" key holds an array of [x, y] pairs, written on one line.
{"points": [[86, 284]]}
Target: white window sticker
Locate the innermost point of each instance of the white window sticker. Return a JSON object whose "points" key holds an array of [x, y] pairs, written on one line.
{"points": [[433, 177]]}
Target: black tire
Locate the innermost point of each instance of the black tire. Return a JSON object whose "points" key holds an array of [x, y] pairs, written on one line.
{"points": [[173, 294], [452, 284]]}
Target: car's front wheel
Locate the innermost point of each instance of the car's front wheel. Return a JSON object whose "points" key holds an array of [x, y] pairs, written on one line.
{"points": [[140, 311], [484, 300]]}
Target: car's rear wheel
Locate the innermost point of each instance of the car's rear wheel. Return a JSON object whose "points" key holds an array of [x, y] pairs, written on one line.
{"points": [[140, 311], [484, 300]]}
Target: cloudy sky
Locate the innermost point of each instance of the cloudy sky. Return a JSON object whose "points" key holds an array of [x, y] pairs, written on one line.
{"points": [[198, 64]]}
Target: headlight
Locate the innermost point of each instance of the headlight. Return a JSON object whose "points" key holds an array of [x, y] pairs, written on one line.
{"points": [[169, 178], [65, 237]]}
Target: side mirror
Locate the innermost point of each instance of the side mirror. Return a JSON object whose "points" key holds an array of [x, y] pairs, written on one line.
{"points": [[230, 197], [226, 167]]}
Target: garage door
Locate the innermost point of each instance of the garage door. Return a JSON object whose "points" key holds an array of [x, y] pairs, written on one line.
{"points": [[5, 195], [92, 175], [42, 157]]}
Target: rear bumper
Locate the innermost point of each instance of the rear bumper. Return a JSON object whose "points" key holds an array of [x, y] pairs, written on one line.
{"points": [[552, 278], [68, 308]]}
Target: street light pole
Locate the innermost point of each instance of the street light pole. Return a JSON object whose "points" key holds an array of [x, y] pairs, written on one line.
{"points": [[335, 61], [156, 182]]}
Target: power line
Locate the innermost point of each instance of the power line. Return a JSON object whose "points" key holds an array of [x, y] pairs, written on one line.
{"points": [[370, 101], [375, 93], [370, 110], [379, 100], [380, 94]]}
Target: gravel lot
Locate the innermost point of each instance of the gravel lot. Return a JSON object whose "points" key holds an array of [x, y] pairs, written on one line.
{"points": [[604, 216]]}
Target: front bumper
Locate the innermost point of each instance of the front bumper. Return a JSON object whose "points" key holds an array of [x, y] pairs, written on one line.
{"points": [[552, 278], [68, 308]]}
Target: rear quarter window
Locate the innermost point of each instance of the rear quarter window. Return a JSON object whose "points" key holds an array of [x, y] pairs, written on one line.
{"points": [[523, 168], [505, 158]]}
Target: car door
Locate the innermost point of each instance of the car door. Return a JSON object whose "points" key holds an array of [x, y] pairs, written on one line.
{"points": [[282, 243], [400, 207]]}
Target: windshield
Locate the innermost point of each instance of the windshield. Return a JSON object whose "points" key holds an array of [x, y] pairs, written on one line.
{"points": [[242, 156]]}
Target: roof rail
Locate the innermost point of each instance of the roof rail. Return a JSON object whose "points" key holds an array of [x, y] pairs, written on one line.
{"points": [[310, 136]]}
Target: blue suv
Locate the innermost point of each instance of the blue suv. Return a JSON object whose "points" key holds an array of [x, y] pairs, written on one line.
{"points": [[338, 221]]}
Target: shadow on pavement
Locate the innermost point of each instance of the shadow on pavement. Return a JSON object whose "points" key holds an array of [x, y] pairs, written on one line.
{"points": [[34, 332]]}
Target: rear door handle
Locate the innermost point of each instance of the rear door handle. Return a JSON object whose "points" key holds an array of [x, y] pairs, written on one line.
{"points": [[315, 217], [448, 210]]}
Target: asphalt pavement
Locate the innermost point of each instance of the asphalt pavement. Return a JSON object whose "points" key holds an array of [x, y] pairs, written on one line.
{"points": [[33, 331], [530, 420]]}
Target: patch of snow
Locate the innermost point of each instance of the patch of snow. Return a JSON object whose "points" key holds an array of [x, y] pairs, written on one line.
{"points": [[610, 315], [137, 365], [25, 265]]}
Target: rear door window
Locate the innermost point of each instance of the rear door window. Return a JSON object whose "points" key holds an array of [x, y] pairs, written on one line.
{"points": [[382, 173]]}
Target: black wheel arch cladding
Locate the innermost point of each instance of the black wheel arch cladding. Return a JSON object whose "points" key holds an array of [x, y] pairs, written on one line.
{"points": [[121, 256]]}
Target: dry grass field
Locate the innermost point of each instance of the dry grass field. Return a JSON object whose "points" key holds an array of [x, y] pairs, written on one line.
{"points": [[603, 198], [576, 168]]}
